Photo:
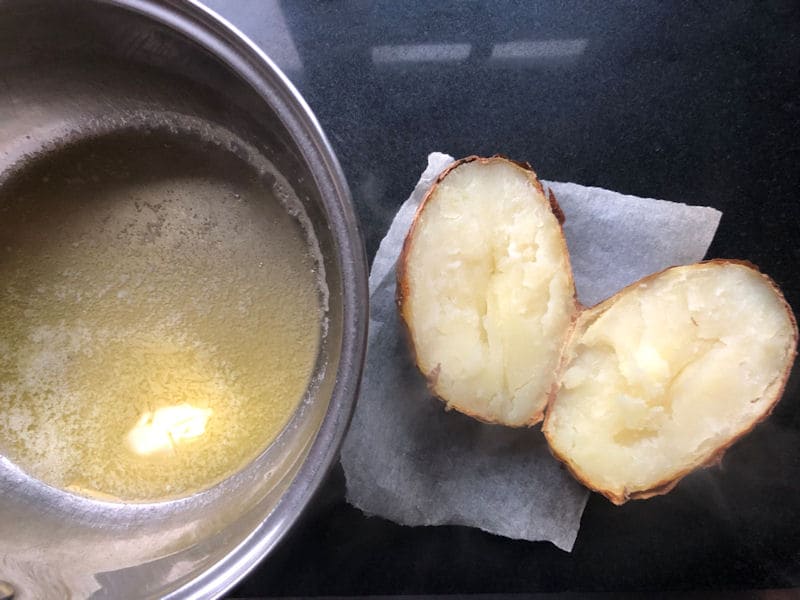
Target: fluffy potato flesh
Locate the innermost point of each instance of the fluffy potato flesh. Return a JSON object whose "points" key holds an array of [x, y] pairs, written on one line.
{"points": [[486, 291], [663, 377]]}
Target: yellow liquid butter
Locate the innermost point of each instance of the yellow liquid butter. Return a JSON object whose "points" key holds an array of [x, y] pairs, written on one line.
{"points": [[159, 318]]}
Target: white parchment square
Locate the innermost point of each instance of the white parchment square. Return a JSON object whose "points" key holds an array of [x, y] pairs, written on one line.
{"points": [[407, 459]]}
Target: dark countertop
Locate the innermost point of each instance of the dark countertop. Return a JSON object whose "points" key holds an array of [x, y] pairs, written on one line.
{"points": [[687, 101]]}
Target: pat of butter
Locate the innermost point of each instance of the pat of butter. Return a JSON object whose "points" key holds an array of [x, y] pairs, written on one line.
{"points": [[163, 429]]}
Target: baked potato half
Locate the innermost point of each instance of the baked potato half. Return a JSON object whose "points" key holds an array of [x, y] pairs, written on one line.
{"points": [[665, 375], [485, 289]]}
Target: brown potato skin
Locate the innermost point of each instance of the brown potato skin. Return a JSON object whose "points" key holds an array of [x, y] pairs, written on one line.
{"points": [[402, 290], [666, 485]]}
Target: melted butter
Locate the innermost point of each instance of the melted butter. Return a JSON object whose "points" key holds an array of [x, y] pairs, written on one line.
{"points": [[159, 319]]}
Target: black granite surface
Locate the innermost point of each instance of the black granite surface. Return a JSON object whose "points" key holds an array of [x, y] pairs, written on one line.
{"points": [[687, 101]]}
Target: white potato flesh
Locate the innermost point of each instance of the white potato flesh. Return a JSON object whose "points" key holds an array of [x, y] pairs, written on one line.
{"points": [[660, 378], [488, 292]]}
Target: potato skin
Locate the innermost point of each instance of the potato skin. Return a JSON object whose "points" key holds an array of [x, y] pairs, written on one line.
{"points": [[666, 485], [402, 289]]}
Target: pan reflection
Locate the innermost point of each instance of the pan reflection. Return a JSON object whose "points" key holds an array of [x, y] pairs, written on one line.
{"points": [[164, 429]]}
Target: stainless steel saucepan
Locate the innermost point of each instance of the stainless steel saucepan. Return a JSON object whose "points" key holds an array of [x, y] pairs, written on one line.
{"points": [[70, 71]]}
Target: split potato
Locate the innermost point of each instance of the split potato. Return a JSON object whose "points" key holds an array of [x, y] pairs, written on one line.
{"points": [[639, 390], [486, 292], [664, 376]]}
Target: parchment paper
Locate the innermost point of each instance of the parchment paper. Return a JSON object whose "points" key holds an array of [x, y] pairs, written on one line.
{"points": [[407, 459]]}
